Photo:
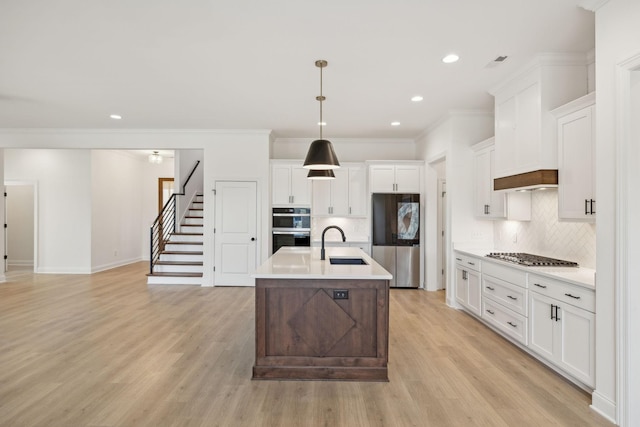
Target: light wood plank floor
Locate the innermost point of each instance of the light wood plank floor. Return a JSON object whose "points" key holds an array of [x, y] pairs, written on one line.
{"points": [[108, 350]]}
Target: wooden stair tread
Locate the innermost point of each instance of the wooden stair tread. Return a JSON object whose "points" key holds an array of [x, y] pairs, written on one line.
{"points": [[187, 234], [192, 225], [179, 263], [184, 243], [192, 216], [174, 274]]}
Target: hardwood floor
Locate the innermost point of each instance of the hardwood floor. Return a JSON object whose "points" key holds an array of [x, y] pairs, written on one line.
{"points": [[108, 350]]}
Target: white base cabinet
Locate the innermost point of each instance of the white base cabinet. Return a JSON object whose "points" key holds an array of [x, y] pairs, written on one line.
{"points": [[467, 284], [564, 335]]}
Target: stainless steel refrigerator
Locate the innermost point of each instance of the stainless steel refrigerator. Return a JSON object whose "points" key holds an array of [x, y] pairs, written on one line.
{"points": [[396, 236]]}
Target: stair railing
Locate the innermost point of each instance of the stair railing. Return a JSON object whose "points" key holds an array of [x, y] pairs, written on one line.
{"points": [[165, 224]]}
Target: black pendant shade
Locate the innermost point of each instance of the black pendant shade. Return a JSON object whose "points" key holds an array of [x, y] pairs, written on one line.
{"points": [[321, 156], [321, 174]]}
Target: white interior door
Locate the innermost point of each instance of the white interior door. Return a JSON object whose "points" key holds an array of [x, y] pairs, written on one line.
{"points": [[236, 233]]}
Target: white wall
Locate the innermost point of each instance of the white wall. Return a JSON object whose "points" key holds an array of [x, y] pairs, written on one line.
{"points": [[64, 203], [617, 39], [20, 231], [451, 140], [185, 160], [348, 149], [116, 208]]}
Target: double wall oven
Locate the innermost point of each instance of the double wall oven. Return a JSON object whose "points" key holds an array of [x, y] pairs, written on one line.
{"points": [[291, 227]]}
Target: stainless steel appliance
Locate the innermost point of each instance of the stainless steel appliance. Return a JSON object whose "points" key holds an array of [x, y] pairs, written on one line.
{"points": [[291, 227], [531, 260], [395, 236]]}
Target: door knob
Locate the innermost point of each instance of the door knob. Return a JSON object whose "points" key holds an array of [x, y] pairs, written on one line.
{"points": [[253, 239]]}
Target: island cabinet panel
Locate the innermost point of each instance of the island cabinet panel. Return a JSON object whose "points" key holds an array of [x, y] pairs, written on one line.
{"points": [[304, 330]]}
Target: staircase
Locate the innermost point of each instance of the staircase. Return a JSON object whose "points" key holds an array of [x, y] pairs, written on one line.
{"points": [[180, 261]]}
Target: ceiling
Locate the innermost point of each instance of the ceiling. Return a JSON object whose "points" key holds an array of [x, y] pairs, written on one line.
{"points": [[249, 64]]}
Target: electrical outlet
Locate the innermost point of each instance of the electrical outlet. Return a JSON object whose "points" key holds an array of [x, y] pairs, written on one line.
{"points": [[515, 237], [340, 294]]}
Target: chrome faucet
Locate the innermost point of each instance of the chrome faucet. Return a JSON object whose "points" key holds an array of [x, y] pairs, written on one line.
{"points": [[344, 239]]}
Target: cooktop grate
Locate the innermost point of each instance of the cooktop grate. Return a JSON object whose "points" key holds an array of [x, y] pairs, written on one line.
{"points": [[531, 260]]}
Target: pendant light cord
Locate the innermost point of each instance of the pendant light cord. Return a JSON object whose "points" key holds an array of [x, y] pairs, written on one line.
{"points": [[321, 98]]}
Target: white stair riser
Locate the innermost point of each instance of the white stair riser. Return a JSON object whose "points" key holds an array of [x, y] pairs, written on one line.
{"points": [[160, 268], [198, 199], [193, 221], [171, 247], [197, 205], [186, 238], [195, 212], [192, 229], [158, 280], [181, 257]]}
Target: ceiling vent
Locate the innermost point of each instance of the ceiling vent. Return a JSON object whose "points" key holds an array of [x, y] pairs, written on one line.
{"points": [[499, 60]]}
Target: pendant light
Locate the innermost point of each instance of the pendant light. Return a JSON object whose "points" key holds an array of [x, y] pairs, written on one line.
{"points": [[321, 155], [321, 174], [155, 157]]}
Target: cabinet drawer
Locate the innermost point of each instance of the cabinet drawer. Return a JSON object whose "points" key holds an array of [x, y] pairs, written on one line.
{"points": [[508, 274], [505, 293], [507, 321], [467, 262], [566, 292]]}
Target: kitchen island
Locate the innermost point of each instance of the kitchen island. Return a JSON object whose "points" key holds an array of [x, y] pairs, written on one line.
{"points": [[321, 321]]}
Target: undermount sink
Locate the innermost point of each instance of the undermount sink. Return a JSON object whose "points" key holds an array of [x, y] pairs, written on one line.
{"points": [[347, 261]]}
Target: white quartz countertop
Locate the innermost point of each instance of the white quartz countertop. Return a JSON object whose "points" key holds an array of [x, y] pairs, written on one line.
{"points": [[296, 262], [579, 276]]}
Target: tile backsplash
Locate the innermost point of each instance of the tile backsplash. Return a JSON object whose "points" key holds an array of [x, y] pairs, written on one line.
{"points": [[355, 229], [545, 235]]}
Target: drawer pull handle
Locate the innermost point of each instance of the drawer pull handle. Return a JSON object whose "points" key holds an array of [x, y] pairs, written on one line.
{"points": [[512, 324], [540, 286], [572, 296], [490, 288], [513, 298], [458, 259], [471, 263], [490, 312]]}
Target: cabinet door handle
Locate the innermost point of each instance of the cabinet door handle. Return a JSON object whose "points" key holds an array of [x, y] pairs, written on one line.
{"points": [[464, 275], [490, 312], [591, 202], [513, 298], [512, 324], [349, 210], [490, 288], [540, 286], [552, 318], [586, 206], [557, 318], [572, 296]]}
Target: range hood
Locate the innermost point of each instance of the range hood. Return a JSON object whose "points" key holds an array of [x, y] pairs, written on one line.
{"points": [[542, 178]]}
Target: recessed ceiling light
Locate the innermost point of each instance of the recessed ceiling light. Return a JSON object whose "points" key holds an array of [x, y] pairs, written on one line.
{"points": [[417, 98], [451, 58], [116, 116], [395, 123]]}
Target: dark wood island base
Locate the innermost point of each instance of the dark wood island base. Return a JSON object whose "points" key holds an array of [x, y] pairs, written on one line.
{"points": [[322, 329]]}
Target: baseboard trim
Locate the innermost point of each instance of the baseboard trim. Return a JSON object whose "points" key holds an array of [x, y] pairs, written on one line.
{"points": [[603, 406], [116, 264]]}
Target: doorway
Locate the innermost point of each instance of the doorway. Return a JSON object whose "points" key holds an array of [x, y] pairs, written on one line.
{"points": [[235, 232], [21, 226], [165, 190]]}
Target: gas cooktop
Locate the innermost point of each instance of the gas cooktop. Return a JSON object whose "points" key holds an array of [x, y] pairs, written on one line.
{"points": [[530, 260]]}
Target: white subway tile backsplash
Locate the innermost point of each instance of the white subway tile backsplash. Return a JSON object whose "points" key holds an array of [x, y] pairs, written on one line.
{"points": [[545, 235]]}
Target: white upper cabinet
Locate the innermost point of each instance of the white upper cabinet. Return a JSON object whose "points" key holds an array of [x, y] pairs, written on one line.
{"points": [[525, 130], [394, 177], [488, 203], [289, 184], [343, 196], [576, 158]]}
